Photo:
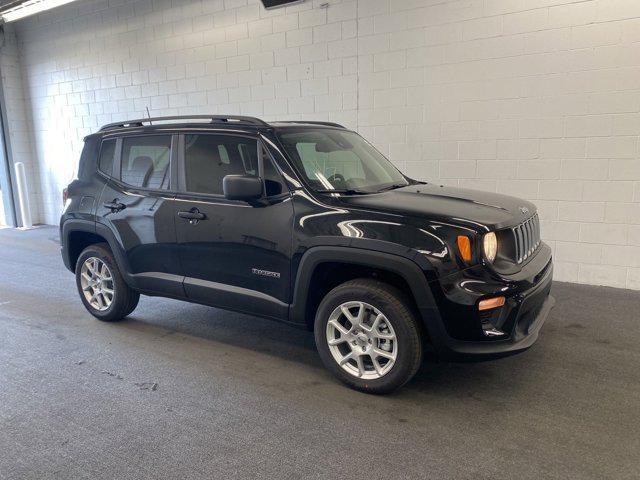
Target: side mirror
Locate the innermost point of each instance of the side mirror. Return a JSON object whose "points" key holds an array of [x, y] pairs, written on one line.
{"points": [[242, 187]]}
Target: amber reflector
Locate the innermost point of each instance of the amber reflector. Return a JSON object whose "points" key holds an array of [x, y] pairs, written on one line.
{"points": [[464, 245], [490, 303]]}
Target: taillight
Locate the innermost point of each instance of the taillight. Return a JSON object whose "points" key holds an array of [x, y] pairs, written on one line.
{"points": [[65, 195]]}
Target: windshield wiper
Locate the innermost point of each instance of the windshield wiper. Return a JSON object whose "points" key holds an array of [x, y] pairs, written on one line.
{"points": [[392, 187], [347, 191]]}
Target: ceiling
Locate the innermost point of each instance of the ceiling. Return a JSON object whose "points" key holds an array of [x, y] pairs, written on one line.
{"points": [[7, 4]]}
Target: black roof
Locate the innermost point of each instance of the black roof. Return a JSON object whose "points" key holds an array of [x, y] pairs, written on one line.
{"points": [[211, 121]]}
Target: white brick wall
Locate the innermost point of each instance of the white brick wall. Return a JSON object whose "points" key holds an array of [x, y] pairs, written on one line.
{"points": [[535, 98], [19, 141]]}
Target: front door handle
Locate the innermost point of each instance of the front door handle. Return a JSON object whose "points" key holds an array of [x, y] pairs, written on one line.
{"points": [[194, 216], [114, 206]]}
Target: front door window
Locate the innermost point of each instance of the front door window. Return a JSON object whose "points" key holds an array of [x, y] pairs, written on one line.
{"points": [[209, 158]]}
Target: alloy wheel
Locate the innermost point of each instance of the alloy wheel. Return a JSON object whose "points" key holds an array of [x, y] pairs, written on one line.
{"points": [[97, 283], [362, 340]]}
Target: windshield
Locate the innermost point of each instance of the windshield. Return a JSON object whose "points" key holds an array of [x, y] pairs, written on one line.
{"points": [[340, 160]]}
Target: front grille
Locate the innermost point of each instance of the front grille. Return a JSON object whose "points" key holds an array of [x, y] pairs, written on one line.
{"points": [[527, 238]]}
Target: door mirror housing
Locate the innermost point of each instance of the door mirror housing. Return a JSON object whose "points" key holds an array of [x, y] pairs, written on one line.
{"points": [[242, 187]]}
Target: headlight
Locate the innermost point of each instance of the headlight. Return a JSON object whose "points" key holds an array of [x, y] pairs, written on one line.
{"points": [[490, 244]]}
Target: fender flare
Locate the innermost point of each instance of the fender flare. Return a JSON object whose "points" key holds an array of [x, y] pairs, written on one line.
{"points": [[402, 266], [79, 225], [66, 228]]}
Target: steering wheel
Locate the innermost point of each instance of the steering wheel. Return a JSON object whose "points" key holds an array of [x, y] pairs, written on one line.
{"points": [[336, 178]]}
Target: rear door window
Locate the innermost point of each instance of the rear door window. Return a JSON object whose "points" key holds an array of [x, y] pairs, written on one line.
{"points": [[145, 161]]}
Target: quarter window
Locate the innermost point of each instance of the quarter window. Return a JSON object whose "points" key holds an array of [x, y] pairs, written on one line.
{"points": [[107, 152], [145, 161]]}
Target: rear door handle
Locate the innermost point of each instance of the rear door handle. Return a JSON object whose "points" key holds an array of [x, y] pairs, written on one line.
{"points": [[114, 206], [194, 215]]}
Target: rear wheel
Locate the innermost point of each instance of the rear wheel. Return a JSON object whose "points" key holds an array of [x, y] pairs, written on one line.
{"points": [[368, 336], [102, 289]]}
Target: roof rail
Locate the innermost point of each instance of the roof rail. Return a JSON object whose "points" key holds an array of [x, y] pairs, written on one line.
{"points": [[214, 119], [310, 122]]}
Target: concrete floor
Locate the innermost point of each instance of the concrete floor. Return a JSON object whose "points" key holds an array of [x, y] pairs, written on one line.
{"points": [[185, 391]]}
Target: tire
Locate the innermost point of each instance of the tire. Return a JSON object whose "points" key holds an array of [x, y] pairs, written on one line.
{"points": [[123, 298], [398, 321]]}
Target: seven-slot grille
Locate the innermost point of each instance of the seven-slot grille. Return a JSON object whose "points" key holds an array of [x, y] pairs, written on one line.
{"points": [[527, 237]]}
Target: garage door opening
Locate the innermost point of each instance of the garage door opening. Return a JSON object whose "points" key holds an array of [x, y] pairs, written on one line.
{"points": [[7, 208], [3, 220]]}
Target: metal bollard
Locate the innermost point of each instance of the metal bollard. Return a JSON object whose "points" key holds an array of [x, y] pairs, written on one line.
{"points": [[23, 195]]}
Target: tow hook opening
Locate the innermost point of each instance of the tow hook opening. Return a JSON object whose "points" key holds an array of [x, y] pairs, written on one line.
{"points": [[487, 308]]}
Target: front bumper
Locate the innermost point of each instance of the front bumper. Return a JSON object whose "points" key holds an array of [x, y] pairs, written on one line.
{"points": [[458, 334]]}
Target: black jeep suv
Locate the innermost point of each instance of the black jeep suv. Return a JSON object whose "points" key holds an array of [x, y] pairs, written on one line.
{"points": [[306, 223]]}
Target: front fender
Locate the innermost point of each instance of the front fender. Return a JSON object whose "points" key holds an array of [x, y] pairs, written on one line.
{"points": [[406, 268]]}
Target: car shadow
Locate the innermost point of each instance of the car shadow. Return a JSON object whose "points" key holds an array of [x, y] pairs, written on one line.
{"points": [[165, 317]]}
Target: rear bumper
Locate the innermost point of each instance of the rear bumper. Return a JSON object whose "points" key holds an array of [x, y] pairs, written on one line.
{"points": [[459, 335]]}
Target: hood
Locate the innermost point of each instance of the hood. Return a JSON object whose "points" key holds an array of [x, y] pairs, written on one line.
{"points": [[471, 208]]}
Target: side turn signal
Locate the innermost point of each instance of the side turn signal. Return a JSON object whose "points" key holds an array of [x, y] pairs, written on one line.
{"points": [[464, 246], [490, 303]]}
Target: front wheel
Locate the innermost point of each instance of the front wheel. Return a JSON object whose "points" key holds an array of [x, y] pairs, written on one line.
{"points": [[368, 336]]}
